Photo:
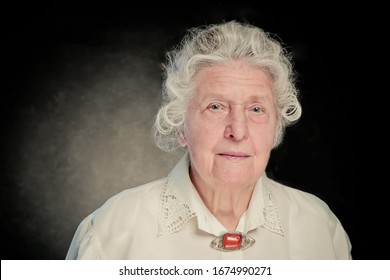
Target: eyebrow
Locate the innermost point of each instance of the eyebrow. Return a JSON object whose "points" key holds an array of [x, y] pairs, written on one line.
{"points": [[252, 98]]}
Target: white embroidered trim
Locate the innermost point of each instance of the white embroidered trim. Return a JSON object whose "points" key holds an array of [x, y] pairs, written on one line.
{"points": [[271, 215], [174, 213]]}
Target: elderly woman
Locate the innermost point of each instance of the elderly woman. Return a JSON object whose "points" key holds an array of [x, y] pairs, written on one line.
{"points": [[228, 96]]}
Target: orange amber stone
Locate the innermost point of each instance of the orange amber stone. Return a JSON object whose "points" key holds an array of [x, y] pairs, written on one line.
{"points": [[232, 241]]}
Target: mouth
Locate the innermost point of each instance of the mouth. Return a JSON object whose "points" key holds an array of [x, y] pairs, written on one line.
{"points": [[234, 155]]}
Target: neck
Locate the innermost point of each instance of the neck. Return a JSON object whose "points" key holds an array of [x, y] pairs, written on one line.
{"points": [[226, 203]]}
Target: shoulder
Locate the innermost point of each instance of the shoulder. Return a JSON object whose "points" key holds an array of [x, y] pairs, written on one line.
{"points": [[293, 199], [130, 201], [150, 189], [120, 216], [306, 215]]}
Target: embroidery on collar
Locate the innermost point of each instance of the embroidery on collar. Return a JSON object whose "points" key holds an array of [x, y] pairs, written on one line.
{"points": [[271, 215], [175, 213]]}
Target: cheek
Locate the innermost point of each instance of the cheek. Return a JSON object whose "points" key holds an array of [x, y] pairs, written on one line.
{"points": [[195, 136], [190, 134], [201, 138], [263, 139]]}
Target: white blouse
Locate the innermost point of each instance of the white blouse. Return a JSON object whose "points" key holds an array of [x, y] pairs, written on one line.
{"points": [[167, 219]]}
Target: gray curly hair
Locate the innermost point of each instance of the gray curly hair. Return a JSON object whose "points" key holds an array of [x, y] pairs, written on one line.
{"points": [[214, 44]]}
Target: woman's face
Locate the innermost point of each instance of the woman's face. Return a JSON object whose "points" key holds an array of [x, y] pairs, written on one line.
{"points": [[230, 125]]}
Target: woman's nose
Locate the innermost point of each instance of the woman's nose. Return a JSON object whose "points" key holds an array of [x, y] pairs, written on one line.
{"points": [[236, 127]]}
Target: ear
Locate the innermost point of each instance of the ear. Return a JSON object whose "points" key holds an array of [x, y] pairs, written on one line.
{"points": [[181, 138]]}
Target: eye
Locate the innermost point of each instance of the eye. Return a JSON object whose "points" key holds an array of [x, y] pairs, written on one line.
{"points": [[257, 109], [214, 107]]}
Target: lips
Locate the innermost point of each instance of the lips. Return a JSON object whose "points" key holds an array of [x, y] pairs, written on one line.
{"points": [[234, 155]]}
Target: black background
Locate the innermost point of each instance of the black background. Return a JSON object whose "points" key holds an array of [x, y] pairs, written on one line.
{"points": [[325, 153]]}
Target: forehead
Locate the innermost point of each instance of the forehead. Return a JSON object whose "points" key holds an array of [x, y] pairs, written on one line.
{"points": [[235, 77], [233, 67]]}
